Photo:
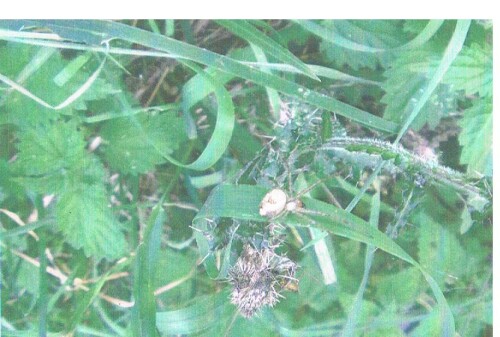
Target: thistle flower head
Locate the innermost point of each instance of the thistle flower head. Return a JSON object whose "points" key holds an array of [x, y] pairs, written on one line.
{"points": [[258, 278]]}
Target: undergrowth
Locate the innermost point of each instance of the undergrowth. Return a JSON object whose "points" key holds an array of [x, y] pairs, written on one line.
{"points": [[137, 158]]}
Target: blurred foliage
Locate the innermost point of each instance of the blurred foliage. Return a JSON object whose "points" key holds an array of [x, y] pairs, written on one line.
{"points": [[95, 183]]}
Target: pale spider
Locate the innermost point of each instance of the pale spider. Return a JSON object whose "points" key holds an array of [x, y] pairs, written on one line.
{"points": [[277, 203]]}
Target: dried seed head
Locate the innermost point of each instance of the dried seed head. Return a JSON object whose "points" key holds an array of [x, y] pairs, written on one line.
{"points": [[258, 277]]}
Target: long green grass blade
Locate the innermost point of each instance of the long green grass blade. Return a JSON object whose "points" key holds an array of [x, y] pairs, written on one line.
{"points": [[242, 202], [42, 286], [23, 229], [328, 35], [254, 36], [96, 31], [144, 310], [207, 315], [272, 94], [353, 316], [451, 52]]}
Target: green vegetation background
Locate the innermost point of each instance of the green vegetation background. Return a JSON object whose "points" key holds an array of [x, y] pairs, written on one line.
{"points": [[115, 134]]}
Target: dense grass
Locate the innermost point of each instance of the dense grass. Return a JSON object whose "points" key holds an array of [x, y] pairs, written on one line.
{"points": [[135, 157]]}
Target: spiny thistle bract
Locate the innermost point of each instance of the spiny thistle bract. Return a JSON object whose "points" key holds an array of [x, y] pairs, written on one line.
{"points": [[258, 278]]}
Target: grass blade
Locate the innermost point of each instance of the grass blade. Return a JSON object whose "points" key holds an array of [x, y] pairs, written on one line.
{"points": [[353, 316], [272, 94], [254, 36], [326, 34], [97, 31], [451, 52], [144, 310], [207, 314]]}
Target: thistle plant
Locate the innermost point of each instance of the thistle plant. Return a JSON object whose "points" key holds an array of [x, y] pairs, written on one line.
{"points": [[258, 278]]}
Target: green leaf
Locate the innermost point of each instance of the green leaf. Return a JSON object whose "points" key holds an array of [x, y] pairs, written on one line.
{"points": [[129, 141], [207, 315], [50, 150], [254, 36], [404, 89], [409, 107], [359, 305], [51, 78], [476, 137], [440, 251], [401, 287], [84, 216], [357, 43], [450, 53], [472, 71], [144, 311]]}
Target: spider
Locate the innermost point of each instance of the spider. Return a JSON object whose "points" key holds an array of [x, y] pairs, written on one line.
{"points": [[276, 203]]}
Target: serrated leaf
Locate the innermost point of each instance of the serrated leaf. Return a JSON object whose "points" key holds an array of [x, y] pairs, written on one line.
{"points": [[379, 34], [406, 80], [476, 137], [472, 71], [429, 326], [36, 70], [440, 251], [131, 141], [401, 287], [86, 219], [49, 150]]}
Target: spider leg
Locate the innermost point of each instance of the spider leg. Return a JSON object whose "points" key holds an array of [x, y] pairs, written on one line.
{"points": [[309, 188]]}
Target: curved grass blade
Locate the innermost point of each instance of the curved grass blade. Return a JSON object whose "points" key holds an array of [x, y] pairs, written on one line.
{"points": [[272, 94], [326, 34], [425, 35], [451, 52], [207, 316], [70, 99], [242, 202], [96, 31], [254, 36], [224, 125], [144, 310]]}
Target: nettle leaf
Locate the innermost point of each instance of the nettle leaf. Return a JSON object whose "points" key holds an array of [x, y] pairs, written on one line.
{"points": [[40, 70], [132, 143], [472, 71], [53, 159], [84, 215], [406, 80], [50, 149], [476, 137], [440, 252], [383, 34]]}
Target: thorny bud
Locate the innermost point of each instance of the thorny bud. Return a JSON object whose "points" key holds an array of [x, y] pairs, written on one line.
{"points": [[258, 277]]}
